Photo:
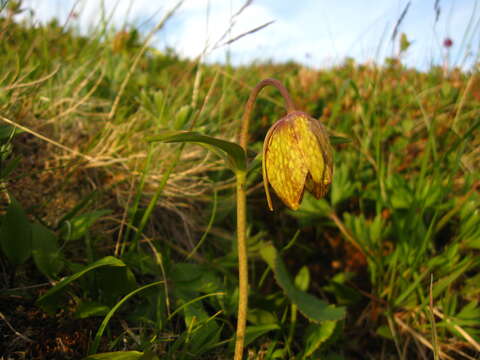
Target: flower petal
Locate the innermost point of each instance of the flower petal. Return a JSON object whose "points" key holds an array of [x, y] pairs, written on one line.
{"points": [[264, 167], [283, 163], [326, 148], [316, 151]]}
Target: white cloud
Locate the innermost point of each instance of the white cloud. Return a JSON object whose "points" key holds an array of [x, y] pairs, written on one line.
{"points": [[202, 27], [314, 32]]}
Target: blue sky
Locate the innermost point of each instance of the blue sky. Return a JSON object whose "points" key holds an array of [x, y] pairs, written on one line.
{"points": [[317, 33]]}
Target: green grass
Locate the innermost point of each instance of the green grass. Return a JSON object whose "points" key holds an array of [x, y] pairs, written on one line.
{"points": [[402, 213]]}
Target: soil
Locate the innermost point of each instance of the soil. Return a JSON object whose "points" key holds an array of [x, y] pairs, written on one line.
{"points": [[26, 332], [46, 192]]}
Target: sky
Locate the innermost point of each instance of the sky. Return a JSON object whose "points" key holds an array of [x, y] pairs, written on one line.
{"points": [[317, 33]]}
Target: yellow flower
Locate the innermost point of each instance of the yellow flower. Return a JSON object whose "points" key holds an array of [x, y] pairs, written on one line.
{"points": [[296, 155]]}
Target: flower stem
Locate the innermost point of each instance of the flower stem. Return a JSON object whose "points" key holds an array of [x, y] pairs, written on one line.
{"points": [[242, 212], [251, 102], [242, 264]]}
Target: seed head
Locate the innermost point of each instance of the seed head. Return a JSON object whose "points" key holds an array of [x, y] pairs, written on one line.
{"points": [[297, 155]]}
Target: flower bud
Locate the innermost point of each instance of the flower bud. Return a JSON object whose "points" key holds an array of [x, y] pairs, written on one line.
{"points": [[296, 155]]}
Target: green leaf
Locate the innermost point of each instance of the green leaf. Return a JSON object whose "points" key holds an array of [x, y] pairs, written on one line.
{"points": [[182, 116], [385, 331], [317, 335], [117, 355], [445, 282], [256, 331], [312, 308], [44, 300], [261, 317], [234, 151], [9, 167], [277, 353], [46, 253], [399, 192], [311, 209], [107, 318], [149, 355], [16, 234], [77, 227], [8, 131], [336, 140], [469, 315], [114, 282], [203, 330], [342, 186], [195, 278], [471, 288], [344, 294], [90, 308], [302, 280]]}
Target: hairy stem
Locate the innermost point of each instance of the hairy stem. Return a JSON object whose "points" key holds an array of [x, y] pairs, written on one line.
{"points": [[251, 102], [242, 209], [242, 264]]}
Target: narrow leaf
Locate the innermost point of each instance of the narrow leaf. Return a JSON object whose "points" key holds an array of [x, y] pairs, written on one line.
{"points": [[182, 116], [117, 355], [77, 227], [90, 308], [314, 309], [107, 318], [234, 151], [336, 140], [106, 261]]}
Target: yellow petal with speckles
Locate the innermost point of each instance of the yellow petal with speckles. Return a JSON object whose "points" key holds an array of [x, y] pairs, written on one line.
{"points": [[297, 155], [285, 168], [317, 154]]}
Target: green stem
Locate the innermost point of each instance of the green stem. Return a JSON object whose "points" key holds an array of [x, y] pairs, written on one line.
{"points": [[293, 322], [251, 102], [242, 209], [242, 264]]}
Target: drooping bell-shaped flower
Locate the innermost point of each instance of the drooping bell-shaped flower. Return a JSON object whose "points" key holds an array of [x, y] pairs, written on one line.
{"points": [[297, 155]]}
